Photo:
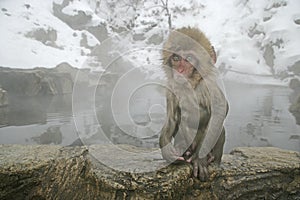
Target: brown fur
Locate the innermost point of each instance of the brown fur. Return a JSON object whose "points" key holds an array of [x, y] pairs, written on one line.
{"points": [[203, 82], [195, 34], [189, 39]]}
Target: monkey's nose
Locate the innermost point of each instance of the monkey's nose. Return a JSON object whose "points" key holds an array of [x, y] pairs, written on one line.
{"points": [[180, 69], [183, 63]]}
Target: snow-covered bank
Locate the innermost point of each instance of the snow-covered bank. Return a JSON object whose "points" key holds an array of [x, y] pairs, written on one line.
{"points": [[256, 41], [25, 39]]}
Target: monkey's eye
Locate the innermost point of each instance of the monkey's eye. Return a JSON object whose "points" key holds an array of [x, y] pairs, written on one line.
{"points": [[176, 57], [190, 59]]}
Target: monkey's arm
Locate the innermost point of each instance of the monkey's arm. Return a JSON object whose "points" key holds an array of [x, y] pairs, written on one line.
{"points": [[200, 164], [219, 109], [170, 128], [212, 138]]}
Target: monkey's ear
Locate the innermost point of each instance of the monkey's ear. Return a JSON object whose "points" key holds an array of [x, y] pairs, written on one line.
{"points": [[213, 54], [166, 60]]}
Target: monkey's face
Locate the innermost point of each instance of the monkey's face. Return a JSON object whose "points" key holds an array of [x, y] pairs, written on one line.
{"points": [[183, 63]]}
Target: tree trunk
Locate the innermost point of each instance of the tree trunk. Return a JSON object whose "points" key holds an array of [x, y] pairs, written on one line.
{"points": [[54, 172]]}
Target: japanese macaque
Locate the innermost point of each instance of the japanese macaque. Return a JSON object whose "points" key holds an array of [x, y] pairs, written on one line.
{"points": [[196, 106]]}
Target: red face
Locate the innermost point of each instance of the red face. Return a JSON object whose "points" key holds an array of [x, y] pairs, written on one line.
{"points": [[184, 65]]}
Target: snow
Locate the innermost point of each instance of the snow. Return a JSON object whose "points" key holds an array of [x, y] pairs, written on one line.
{"points": [[239, 30], [22, 52], [75, 6]]}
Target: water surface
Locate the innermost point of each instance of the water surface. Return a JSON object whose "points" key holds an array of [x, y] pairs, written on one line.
{"points": [[258, 116]]}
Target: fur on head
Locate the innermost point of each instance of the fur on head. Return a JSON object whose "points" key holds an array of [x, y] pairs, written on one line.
{"points": [[185, 39]]}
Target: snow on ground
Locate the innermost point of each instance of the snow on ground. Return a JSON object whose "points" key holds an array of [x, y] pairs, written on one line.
{"points": [[19, 17], [240, 31]]}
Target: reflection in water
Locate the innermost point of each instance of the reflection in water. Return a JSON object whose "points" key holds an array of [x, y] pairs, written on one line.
{"points": [[25, 111], [258, 116], [38, 120], [51, 136]]}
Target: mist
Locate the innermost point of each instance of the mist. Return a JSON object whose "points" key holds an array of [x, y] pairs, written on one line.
{"points": [[80, 72]]}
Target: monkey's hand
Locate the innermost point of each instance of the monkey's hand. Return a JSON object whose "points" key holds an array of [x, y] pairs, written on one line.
{"points": [[170, 154], [200, 168]]}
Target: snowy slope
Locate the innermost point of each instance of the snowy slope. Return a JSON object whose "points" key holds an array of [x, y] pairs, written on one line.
{"points": [[20, 17], [243, 33], [256, 41]]}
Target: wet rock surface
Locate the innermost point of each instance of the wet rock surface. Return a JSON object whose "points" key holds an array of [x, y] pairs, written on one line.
{"points": [[3, 97], [40, 81], [34, 82], [295, 99], [54, 172]]}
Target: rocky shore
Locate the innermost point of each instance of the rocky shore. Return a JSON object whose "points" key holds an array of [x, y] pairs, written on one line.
{"points": [[3, 97], [295, 99], [40, 81], [54, 172]]}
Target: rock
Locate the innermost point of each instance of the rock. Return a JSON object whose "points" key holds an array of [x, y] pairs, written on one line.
{"points": [[295, 84], [295, 109], [156, 39], [54, 172], [80, 21], [51, 135], [297, 21], [45, 36], [138, 36], [76, 21], [66, 68], [99, 31], [77, 142], [295, 68], [81, 76], [3, 98], [38, 81], [3, 107], [269, 55], [295, 99]]}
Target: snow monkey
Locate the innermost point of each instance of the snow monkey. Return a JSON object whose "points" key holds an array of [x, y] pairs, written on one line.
{"points": [[196, 106]]}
